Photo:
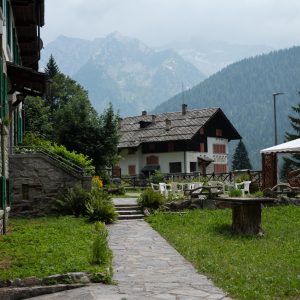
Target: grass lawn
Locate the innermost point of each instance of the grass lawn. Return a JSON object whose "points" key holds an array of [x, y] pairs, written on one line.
{"points": [[47, 246], [246, 267]]}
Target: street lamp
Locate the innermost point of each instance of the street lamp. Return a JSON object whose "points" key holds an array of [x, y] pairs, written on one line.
{"points": [[275, 125]]}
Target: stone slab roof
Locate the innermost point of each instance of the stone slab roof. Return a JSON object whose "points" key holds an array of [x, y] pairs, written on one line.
{"points": [[182, 127]]}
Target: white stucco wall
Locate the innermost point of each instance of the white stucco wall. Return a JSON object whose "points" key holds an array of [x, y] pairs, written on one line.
{"points": [[218, 158], [139, 160]]}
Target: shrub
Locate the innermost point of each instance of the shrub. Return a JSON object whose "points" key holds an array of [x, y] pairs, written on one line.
{"points": [[151, 199], [243, 177], [235, 193], [258, 194], [97, 182], [157, 177], [100, 207], [78, 159], [100, 250], [73, 202]]}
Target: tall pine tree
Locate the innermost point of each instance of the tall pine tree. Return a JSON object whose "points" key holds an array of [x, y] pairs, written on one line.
{"points": [[240, 158], [51, 68], [292, 162], [52, 71]]}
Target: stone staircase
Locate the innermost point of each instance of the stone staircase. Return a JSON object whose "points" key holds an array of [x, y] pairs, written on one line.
{"points": [[129, 212]]}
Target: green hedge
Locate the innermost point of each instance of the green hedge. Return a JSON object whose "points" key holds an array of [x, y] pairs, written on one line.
{"points": [[78, 159]]}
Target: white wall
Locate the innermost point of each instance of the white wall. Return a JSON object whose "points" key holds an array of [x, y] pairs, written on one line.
{"points": [[139, 160], [129, 159]]}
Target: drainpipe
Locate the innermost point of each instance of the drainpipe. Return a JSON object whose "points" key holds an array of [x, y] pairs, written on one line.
{"points": [[3, 171]]}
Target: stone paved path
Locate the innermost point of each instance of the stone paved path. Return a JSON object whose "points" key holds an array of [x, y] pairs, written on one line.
{"points": [[145, 267]]}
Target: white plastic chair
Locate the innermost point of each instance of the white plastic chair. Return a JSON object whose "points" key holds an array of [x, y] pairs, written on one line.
{"points": [[154, 186], [244, 187], [163, 189]]}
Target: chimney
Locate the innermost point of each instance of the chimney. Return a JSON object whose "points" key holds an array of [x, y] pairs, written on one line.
{"points": [[168, 124], [144, 113], [184, 108], [153, 119]]}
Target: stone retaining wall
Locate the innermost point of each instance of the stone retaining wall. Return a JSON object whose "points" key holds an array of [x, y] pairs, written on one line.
{"points": [[37, 181]]}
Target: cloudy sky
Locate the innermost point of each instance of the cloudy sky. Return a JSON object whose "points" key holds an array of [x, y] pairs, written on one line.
{"points": [[275, 23]]}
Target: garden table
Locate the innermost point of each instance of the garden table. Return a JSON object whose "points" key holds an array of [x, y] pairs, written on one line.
{"points": [[209, 190], [246, 213]]}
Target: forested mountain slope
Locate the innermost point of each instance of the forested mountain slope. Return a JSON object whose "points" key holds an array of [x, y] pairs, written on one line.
{"points": [[244, 90]]}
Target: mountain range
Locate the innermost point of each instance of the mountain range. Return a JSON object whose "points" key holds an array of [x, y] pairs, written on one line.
{"points": [[123, 71], [211, 56], [244, 91]]}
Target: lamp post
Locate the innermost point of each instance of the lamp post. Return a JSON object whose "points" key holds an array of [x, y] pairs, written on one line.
{"points": [[274, 104]]}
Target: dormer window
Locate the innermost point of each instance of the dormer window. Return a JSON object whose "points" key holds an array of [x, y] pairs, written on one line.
{"points": [[144, 124]]}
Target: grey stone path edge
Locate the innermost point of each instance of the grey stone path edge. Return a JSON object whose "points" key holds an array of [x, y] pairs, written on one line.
{"points": [[145, 267]]}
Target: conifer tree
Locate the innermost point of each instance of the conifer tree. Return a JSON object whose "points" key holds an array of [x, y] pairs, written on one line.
{"points": [[51, 68], [292, 162], [240, 158]]}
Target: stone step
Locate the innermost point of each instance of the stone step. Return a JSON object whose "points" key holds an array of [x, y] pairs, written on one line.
{"points": [[128, 212], [127, 207], [130, 217]]}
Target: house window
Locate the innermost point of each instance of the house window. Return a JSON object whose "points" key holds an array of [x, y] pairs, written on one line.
{"points": [[170, 147], [131, 170], [175, 167], [202, 147], [193, 166], [219, 168], [218, 132], [152, 160], [201, 131], [219, 148]]}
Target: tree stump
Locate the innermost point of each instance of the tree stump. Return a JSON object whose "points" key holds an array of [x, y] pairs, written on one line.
{"points": [[246, 219]]}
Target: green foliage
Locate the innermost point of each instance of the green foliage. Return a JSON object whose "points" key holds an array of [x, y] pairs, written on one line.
{"points": [[68, 118], [80, 128], [151, 199], [157, 177], [240, 158], [293, 161], [109, 122], [46, 246], [243, 266], [100, 207], [258, 194], [51, 68], [97, 204], [235, 193], [38, 117], [242, 177], [100, 251], [81, 160], [73, 202]]}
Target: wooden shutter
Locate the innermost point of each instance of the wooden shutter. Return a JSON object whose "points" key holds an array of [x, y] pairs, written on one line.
{"points": [[152, 160], [220, 168], [131, 170], [202, 147]]}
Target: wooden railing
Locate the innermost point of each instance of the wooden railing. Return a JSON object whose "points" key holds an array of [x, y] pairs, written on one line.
{"points": [[255, 177]]}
